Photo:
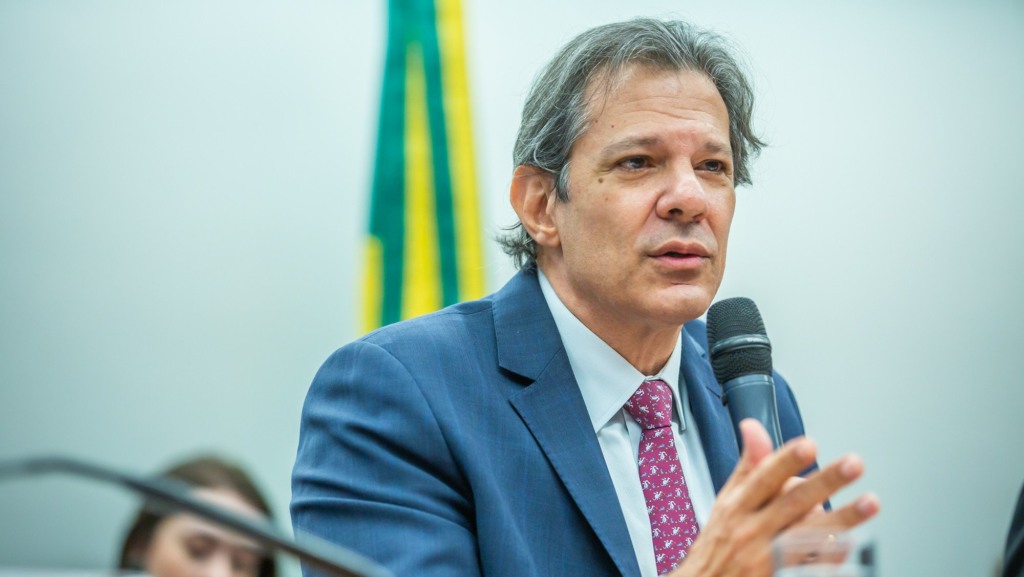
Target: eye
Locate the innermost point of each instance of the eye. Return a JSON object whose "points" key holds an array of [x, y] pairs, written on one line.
{"points": [[634, 163], [716, 166], [199, 547]]}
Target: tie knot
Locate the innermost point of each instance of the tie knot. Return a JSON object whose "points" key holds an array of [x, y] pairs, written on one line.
{"points": [[651, 404]]}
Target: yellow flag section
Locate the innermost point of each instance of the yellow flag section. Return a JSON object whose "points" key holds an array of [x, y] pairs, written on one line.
{"points": [[424, 250], [421, 275]]}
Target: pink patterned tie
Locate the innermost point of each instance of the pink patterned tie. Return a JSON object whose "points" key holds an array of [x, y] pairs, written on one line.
{"points": [[673, 524]]}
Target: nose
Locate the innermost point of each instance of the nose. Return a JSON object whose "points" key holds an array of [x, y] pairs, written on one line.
{"points": [[683, 196]]}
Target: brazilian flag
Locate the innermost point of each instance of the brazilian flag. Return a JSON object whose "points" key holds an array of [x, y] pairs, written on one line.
{"points": [[424, 250]]}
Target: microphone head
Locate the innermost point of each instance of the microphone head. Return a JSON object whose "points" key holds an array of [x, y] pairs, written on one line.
{"points": [[737, 341]]}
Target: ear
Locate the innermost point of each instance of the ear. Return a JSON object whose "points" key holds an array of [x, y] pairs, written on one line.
{"points": [[532, 194]]}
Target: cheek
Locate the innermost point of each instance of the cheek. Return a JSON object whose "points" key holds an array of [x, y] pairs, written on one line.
{"points": [[723, 220], [597, 241]]}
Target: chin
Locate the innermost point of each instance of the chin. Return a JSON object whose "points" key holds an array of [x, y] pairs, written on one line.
{"points": [[686, 305]]}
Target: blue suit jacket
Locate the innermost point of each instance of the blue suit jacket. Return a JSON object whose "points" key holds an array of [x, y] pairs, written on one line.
{"points": [[458, 444]]}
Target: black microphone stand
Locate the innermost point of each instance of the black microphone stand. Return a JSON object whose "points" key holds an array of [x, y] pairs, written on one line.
{"points": [[309, 549]]}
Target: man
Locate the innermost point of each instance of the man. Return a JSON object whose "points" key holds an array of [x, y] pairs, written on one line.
{"points": [[502, 437]]}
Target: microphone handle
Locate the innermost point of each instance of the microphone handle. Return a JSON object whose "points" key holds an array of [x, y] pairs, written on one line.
{"points": [[753, 397]]}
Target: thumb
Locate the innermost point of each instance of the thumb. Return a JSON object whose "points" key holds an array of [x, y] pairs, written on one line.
{"points": [[756, 443]]}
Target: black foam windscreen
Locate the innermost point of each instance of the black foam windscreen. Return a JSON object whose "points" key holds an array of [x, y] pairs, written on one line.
{"points": [[728, 321]]}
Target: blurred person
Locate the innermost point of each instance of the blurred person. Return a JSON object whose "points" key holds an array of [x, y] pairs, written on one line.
{"points": [[178, 544], [1013, 561], [571, 423]]}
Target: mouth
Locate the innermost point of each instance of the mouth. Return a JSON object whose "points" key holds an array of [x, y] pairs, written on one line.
{"points": [[682, 256], [673, 256]]}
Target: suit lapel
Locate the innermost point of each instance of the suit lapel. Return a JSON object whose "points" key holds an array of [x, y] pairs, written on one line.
{"points": [[705, 395], [553, 410]]}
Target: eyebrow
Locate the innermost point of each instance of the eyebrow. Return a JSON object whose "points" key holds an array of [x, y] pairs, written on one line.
{"points": [[615, 148], [715, 147], [227, 541]]}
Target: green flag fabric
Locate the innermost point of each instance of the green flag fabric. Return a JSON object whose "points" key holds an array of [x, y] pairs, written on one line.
{"points": [[424, 249]]}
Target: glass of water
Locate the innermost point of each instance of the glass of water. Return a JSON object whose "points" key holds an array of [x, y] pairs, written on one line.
{"points": [[824, 552]]}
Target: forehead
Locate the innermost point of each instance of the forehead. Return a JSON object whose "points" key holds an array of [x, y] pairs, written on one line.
{"points": [[644, 93], [228, 499], [184, 526]]}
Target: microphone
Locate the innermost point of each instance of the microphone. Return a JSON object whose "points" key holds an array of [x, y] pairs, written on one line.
{"points": [[741, 356], [175, 495]]}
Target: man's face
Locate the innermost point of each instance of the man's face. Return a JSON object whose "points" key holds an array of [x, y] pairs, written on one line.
{"points": [[641, 241]]}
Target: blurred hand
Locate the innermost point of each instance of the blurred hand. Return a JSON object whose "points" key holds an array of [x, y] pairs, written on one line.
{"points": [[794, 482], [761, 500]]}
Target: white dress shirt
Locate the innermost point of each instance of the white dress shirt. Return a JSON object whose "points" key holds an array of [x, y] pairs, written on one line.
{"points": [[607, 381]]}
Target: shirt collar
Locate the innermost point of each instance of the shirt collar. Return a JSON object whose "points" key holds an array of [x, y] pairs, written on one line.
{"points": [[606, 380]]}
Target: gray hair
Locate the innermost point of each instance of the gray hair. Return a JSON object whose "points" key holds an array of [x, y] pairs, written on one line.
{"points": [[555, 113]]}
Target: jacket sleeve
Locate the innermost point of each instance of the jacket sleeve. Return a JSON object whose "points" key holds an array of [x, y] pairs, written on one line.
{"points": [[374, 472], [790, 421]]}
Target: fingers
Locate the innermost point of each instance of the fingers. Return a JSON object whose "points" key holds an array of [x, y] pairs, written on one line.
{"points": [[763, 497], [791, 483], [766, 480], [795, 482], [794, 505], [838, 521], [849, 515], [757, 446], [763, 484]]}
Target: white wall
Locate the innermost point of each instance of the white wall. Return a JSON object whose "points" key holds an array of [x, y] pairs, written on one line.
{"points": [[182, 198]]}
